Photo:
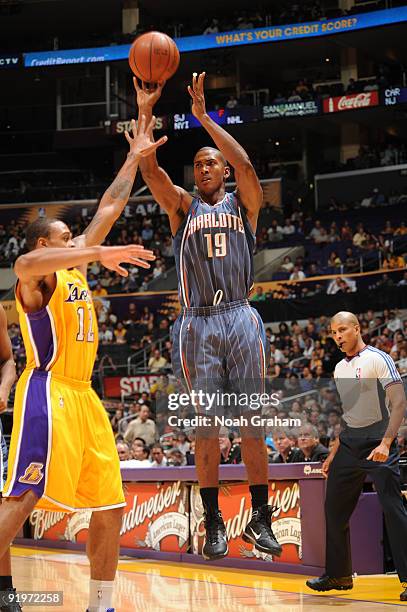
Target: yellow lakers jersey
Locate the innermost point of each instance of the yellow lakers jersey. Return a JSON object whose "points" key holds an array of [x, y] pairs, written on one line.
{"points": [[63, 336]]}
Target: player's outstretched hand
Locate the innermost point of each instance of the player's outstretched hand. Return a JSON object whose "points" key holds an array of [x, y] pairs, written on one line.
{"points": [[142, 143], [112, 257], [198, 95], [148, 94], [380, 453]]}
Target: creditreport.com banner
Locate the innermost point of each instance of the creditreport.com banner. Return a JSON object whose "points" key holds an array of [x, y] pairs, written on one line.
{"points": [[251, 36]]}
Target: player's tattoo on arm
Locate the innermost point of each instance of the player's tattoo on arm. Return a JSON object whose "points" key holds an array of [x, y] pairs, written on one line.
{"points": [[120, 188], [97, 220]]}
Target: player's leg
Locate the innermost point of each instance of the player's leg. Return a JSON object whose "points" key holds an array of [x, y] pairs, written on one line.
{"points": [[102, 549], [13, 513], [100, 488], [386, 478], [344, 486], [248, 356], [197, 358], [6, 580]]}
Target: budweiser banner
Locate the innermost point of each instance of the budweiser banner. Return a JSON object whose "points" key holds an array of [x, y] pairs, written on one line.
{"points": [[351, 102], [120, 386], [235, 504], [156, 517]]}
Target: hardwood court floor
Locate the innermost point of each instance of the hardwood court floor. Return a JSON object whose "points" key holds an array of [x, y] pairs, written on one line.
{"points": [[153, 586]]}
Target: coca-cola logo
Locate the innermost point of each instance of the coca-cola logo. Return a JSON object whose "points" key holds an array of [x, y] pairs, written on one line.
{"points": [[364, 99], [359, 101]]}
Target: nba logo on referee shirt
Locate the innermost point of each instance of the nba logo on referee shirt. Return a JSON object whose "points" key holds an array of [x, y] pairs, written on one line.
{"points": [[33, 474], [358, 373]]}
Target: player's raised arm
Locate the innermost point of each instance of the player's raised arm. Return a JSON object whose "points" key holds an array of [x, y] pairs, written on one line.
{"points": [[248, 184], [173, 199], [117, 195], [42, 262], [7, 365]]}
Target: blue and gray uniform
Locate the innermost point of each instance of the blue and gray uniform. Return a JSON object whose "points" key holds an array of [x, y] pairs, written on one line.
{"points": [[218, 337]]}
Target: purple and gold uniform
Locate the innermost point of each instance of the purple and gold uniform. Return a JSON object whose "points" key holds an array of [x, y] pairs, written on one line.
{"points": [[62, 445]]}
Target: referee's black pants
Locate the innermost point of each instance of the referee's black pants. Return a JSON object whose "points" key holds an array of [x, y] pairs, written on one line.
{"points": [[347, 473]]}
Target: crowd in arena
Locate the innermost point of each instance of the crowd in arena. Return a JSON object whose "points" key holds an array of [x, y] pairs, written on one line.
{"points": [[301, 365], [303, 357]]}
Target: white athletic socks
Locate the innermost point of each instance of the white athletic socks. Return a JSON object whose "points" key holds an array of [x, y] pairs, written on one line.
{"points": [[100, 595]]}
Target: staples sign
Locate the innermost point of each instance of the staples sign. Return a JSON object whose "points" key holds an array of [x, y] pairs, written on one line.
{"points": [[352, 102]]}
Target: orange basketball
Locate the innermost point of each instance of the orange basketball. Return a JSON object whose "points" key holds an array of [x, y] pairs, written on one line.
{"points": [[154, 57]]}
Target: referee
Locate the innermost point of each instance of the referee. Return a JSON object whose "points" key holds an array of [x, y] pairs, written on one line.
{"points": [[368, 383]]}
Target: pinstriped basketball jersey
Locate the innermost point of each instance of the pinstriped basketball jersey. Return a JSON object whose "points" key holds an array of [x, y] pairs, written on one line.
{"points": [[213, 251], [63, 336]]}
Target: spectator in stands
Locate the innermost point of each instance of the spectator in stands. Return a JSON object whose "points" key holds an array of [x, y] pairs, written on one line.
{"points": [[401, 230], [275, 232], [393, 261], [334, 419], [276, 354], [294, 97], [229, 450], [120, 334], [351, 263], [232, 102], [116, 418], [140, 456], [182, 442], [123, 450], [309, 445], [341, 285], [334, 260], [259, 295], [346, 231], [297, 274], [285, 442], [142, 427], [360, 236], [288, 228], [352, 87], [212, 28], [157, 362], [316, 232], [385, 282], [403, 281], [394, 322], [287, 265], [157, 455], [105, 334], [99, 291], [175, 458]]}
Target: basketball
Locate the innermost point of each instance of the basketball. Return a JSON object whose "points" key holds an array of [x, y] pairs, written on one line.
{"points": [[154, 57]]}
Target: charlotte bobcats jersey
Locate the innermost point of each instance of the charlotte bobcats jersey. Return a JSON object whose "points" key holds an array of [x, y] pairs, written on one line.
{"points": [[63, 336], [213, 251]]}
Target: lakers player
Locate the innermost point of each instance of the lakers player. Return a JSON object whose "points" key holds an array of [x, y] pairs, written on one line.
{"points": [[218, 338], [62, 452], [7, 379]]}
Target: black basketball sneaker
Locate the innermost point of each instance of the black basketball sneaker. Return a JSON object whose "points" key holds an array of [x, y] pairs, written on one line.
{"points": [[259, 532], [216, 543]]}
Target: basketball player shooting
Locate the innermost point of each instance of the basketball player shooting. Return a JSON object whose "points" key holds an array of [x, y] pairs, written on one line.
{"points": [[218, 336], [62, 452]]}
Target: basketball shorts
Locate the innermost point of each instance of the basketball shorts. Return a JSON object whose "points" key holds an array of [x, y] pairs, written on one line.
{"points": [[221, 348], [3, 459], [62, 446]]}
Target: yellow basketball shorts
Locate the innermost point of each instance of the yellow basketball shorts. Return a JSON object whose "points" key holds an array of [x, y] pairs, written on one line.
{"points": [[62, 446]]}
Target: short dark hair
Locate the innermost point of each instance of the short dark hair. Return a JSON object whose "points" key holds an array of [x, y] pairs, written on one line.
{"points": [[216, 151], [40, 228]]}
